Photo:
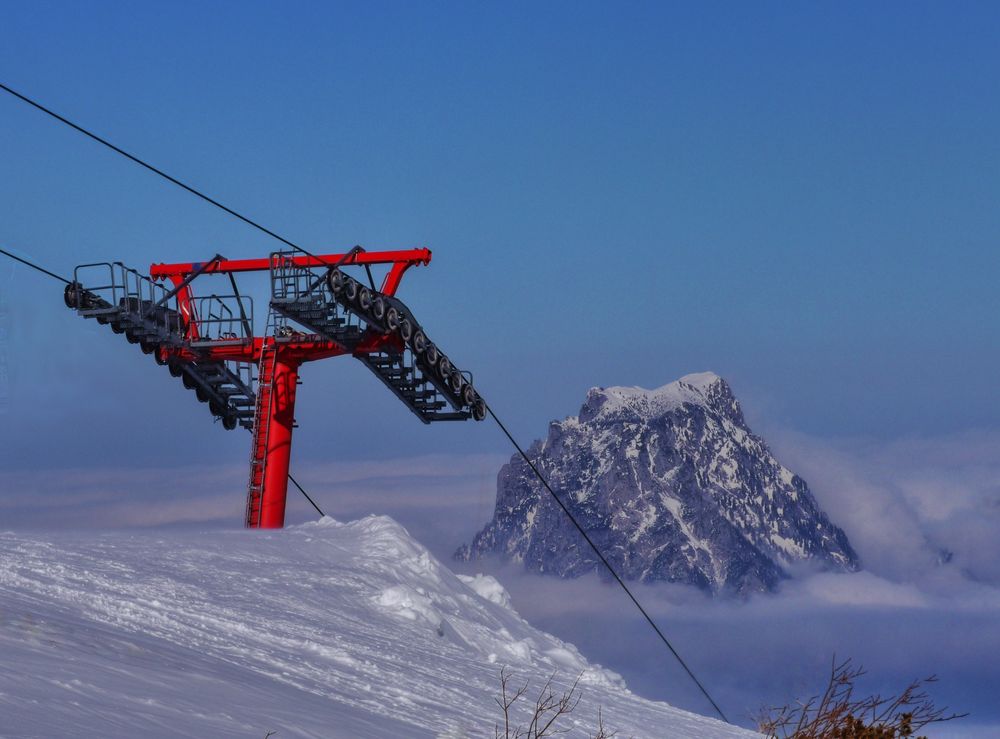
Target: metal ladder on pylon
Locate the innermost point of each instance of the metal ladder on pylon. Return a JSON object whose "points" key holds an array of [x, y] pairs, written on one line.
{"points": [[261, 429]]}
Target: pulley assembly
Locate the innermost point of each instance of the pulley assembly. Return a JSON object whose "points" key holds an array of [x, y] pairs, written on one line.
{"points": [[208, 343]]}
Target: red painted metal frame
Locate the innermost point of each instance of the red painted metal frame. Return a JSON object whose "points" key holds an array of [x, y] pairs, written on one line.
{"points": [[291, 354], [407, 257]]}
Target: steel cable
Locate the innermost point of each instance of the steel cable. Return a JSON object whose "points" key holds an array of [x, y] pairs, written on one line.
{"points": [[499, 423], [63, 279], [604, 560]]}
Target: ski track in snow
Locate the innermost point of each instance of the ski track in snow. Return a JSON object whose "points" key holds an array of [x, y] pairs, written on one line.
{"points": [[321, 630]]}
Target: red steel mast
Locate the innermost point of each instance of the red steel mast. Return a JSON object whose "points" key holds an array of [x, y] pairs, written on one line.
{"points": [[250, 381]]}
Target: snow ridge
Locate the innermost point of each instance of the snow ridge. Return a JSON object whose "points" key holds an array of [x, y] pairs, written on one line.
{"points": [[322, 630], [672, 485], [703, 388]]}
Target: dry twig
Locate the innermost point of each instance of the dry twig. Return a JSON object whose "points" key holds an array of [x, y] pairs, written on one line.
{"points": [[838, 714]]}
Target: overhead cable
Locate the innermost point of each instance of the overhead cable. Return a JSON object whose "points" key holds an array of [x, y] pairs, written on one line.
{"points": [[503, 428]]}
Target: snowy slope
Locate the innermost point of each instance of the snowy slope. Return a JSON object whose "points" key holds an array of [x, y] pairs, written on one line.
{"points": [[322, 630]]}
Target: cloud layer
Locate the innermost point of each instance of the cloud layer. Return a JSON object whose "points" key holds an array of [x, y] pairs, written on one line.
{"points": [[903, 504], [909, 505]]}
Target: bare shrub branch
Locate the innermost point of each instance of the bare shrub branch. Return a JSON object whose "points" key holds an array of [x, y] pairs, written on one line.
{"points": [[838, 714], [548, 709], [602, 732]]}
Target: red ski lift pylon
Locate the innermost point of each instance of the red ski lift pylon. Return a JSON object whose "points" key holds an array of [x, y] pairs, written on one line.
{"points": [[250, 381]]}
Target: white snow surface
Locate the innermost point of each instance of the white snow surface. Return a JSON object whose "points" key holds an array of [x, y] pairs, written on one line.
{"points": [[321, 630], [488, 587], [691, 388]]}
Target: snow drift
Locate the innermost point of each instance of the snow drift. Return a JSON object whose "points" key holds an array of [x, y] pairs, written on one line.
{"points": [[322, 630]]}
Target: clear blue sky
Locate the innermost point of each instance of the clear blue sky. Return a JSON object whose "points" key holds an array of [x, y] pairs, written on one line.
{"points": [[800, 197]]}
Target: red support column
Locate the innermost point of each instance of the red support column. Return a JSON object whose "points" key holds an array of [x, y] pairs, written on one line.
{"points": [[279, 443]]}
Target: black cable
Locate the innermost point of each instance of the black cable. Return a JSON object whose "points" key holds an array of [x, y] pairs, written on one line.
{"points": [[160, 172], [371, 280], [608, 565], [296, 484], [63, 279], [295, 246], [247, 328], [34, 266]]}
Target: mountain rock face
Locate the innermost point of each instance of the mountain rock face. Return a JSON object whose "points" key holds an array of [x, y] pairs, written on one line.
{"points": [[671, 485]]}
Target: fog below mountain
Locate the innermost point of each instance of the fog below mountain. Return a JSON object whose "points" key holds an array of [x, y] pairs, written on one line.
{"points": [[905, 616]]}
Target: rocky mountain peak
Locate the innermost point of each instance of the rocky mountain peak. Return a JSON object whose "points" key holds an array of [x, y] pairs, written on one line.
{"points": [[706, 389], [672, 485]]}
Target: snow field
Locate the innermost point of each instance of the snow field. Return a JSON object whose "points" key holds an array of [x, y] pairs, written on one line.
{"points": [[322, 630]]}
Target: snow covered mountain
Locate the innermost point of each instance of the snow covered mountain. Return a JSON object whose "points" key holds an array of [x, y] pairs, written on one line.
{"points": [[322, 630], [672, 485]]}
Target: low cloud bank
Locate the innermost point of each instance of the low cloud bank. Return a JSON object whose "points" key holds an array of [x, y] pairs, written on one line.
{"points": [[909, 506], [439, 497], [917, 510], [924, 515], [773, 649]]}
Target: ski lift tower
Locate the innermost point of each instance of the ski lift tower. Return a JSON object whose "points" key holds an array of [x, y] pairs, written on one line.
{"points": [[316, 311]]}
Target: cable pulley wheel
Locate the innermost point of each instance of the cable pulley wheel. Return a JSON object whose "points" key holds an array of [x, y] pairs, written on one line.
{"points": [[379, 308], [392, 319], [431, 355], [479, 409], [351, 288], [419, 342], [335, 281], [71, 295], [365, 299], [406, 329], [468, 395], [444, 368], [456, 381]]}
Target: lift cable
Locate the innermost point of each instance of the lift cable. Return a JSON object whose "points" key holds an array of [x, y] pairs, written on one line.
{"points": [[503, 428], [607, 564], [247, 328], [63, 279], [34, 266], [552, 492], [302, 490], [160, 172]]}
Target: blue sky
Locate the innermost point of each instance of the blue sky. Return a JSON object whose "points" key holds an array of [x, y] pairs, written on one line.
{"points": [[799, 197]]}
